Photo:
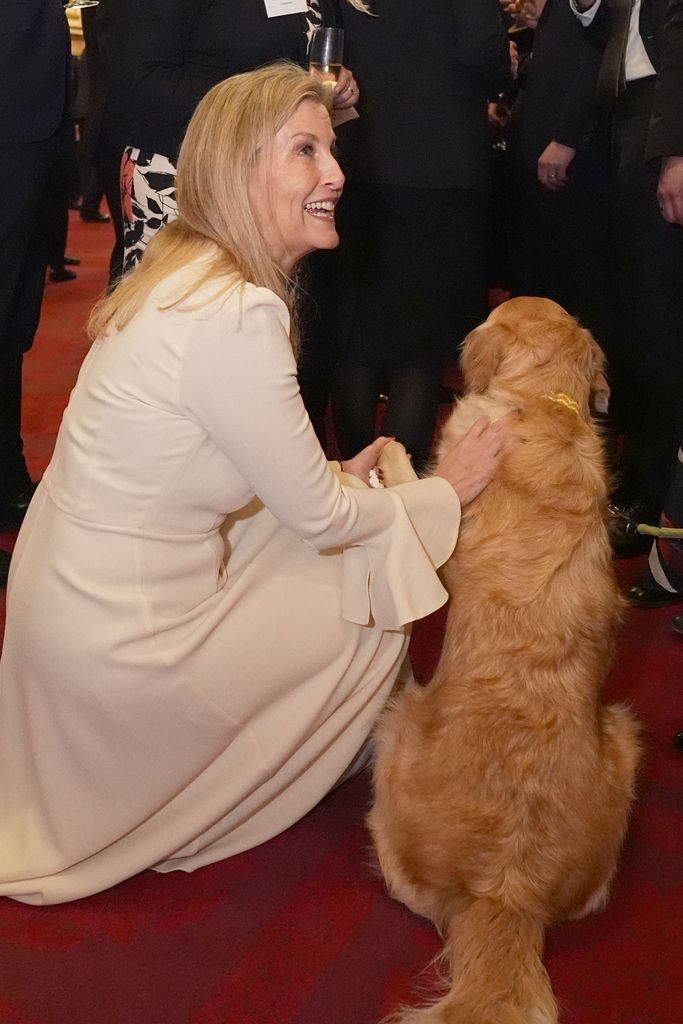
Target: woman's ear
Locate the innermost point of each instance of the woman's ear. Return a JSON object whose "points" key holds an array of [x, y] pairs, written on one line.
{"points": [[481, 354]]}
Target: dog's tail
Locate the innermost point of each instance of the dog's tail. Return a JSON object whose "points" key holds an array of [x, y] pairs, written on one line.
{"points": [[498, 976]]}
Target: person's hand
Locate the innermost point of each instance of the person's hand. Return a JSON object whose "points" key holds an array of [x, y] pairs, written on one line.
{"points": [[366, 460], [553, 164], [346, 91], [523, 12], [497, 114], [472, 463], [514, 59], [670, 189]]}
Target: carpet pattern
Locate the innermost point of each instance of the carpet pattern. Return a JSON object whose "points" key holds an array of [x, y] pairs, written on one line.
{"points": [[300, 930]]}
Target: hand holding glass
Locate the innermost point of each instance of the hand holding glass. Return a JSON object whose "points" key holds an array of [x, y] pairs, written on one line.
{"points": [[325, 56]]}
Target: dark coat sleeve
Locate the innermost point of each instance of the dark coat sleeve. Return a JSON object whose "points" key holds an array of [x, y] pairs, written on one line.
{"points": [[578, 110], [666, 126], [482, 48]]}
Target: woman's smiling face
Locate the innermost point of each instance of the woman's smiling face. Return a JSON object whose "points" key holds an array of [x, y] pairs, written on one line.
{"points": [[294, 189]]}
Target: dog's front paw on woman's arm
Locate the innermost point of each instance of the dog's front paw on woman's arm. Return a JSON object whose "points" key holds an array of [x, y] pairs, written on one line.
{"points": [[394, 466], [361, 465]]}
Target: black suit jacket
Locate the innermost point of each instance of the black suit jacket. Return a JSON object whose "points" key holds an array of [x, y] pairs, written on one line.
{"points": [[34, 55], [666, 126], [162, 56], [651, 27], [425, 69], [557, 100]]}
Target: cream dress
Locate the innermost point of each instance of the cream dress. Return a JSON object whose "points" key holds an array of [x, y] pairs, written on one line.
{"points": [[204, 616]]}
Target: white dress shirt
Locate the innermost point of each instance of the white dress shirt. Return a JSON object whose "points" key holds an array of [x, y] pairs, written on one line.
{"points": [[637, 64]]}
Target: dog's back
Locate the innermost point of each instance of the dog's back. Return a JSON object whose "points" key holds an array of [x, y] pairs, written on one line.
{"points": [[503, 787]]}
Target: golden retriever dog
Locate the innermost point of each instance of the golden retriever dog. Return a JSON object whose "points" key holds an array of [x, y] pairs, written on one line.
{"points": [[503, 788]]}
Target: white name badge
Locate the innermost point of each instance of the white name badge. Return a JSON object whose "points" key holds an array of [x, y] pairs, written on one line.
{"points": [[276, 8]]}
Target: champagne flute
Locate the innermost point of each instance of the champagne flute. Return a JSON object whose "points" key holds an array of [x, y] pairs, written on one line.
{"points": [[325, 55], [75, 4]]}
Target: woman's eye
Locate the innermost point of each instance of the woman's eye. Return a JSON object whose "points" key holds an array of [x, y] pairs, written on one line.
{"points": [[306, 150]]}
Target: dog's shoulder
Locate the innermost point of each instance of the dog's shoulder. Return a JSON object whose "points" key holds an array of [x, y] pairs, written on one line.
{"points": [[560, 453], [467, 411]]}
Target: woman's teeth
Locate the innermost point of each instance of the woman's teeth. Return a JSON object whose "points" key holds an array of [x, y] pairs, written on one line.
{"points": [[321, 209]]}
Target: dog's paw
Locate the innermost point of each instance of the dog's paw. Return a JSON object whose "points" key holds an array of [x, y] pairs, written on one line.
{"points": [[394, 465]]}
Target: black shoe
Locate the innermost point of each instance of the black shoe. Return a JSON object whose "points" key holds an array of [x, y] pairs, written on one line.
{"points": [[72, 261], [650, 595], [13, 510], [62, 274], [677, 625], [95, 217], [622, 525], [4, 567]]}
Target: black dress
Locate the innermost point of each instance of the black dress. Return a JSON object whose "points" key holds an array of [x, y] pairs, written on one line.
{"points": [[413, 218]]}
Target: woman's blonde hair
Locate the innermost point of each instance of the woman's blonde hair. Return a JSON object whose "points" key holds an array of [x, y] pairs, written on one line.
{"points": [[235, 122]]}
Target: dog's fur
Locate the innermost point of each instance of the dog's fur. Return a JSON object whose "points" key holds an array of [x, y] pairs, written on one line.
{"points": [[502, 789]]}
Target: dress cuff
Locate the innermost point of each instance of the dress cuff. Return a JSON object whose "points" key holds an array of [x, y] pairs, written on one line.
{"points": [[391, 580]]}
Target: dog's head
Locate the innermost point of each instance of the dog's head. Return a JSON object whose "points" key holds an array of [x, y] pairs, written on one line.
{"points": [[532, 346]]}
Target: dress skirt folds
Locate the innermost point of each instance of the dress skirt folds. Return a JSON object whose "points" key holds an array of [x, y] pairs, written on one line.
{"points": [[204, 616]]}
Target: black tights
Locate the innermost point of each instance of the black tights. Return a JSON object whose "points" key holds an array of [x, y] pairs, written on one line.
{"points": [[410, 416]]}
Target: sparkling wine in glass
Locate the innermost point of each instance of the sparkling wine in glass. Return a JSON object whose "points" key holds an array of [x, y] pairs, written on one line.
{"points": [[325, 56]]}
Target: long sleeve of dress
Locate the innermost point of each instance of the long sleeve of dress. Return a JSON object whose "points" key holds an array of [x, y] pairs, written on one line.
{"points": [[239, 384]]}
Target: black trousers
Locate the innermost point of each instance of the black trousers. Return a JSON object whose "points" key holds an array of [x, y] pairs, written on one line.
{"points": [[25, 233], [559, 241], [646, 357]]}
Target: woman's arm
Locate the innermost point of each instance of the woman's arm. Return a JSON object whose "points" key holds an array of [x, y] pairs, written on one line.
{"points": [[239, 384]]}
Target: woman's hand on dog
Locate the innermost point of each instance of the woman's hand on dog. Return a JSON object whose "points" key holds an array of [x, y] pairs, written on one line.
{"points": [[473, 462]]}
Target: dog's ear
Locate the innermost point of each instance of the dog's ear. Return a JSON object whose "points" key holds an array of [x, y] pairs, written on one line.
{"points": [[481, 355], [594, 371], [600, 393]]}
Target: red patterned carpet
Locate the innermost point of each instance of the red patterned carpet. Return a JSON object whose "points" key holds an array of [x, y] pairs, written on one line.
{"points": [[300, 930]]}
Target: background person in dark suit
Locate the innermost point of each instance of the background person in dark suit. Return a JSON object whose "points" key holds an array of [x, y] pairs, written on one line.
{"points": [[557, 164], [665, 137], [413, 217], [34, 55], [662, 582], [647, 363]]}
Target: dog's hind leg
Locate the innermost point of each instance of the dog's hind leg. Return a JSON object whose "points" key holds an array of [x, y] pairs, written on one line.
{"points": [[621, 753]]}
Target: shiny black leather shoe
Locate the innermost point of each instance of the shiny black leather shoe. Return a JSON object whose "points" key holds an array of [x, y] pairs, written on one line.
{"points": [[61, 274], [71, 261], [622, 525], [13, 510], [651, 595], [4, 567], [677, 625]]}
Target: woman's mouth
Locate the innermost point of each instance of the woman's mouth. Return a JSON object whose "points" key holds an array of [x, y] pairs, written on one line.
{"points": [[323, 209]]}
